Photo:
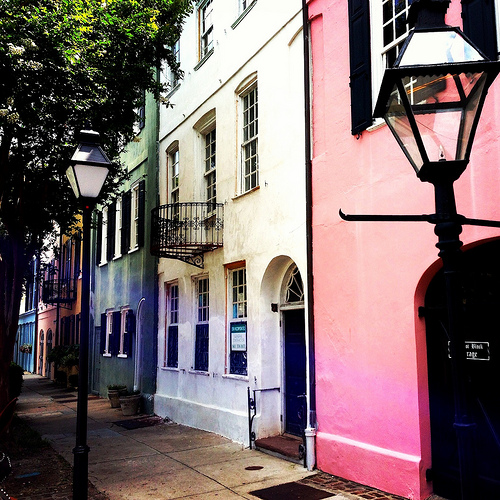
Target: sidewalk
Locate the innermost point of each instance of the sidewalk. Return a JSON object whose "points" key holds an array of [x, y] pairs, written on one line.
{"points": [[158, 460]]}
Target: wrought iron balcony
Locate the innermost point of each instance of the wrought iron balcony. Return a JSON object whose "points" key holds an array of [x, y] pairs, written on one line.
{"points": [[59, 291], [185, 231]]}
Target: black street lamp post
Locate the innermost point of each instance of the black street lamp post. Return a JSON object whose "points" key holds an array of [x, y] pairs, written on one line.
{"points": [[87, 173], [431, 99]]}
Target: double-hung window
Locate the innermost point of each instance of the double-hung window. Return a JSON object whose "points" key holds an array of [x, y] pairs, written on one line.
{"points": [[173, 159], [104, 235], [249, 143], [210, 169], [206, 28], [202, 317], [238, 322], [134, 215], [118, 227], [172, 76], [172, 336]]}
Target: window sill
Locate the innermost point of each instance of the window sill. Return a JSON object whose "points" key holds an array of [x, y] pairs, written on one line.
{"points": [[377, 123], [238, 196], [106, 355], [173, 90], [123, 356], [116, 257], [204, 59], [102, 264], [133, 250], [199, 372], [232, 376], [243, 14], [169, 369]]}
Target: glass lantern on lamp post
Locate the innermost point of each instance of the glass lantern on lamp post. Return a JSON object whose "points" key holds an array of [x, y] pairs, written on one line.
{"points": [[86, 174]]}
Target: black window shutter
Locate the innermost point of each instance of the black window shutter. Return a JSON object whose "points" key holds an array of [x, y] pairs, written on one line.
{"points": [[360, 65], [142, 206], [479, 25], [103, 333], [110, 250], [125, 243], [99, 238]]}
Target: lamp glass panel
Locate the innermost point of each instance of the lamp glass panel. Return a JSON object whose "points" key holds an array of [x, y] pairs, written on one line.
{"points": [[70, 174], [398, 122], [439, 132], [469, 118], [438, 47], [90, 179]]}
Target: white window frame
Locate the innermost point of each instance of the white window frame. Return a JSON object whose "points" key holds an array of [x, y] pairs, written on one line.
{"points": [[118, 228], [123, 330], [174, 171], [210, 165], [171, 320], [236, 314], [109, 332], [134, 217], [205, 312], [104, 236], [172, 80], [206, 29], [378, 51], [247, 140]]}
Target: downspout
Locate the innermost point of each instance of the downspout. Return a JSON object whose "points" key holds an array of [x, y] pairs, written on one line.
{"points": [[310, 431]]}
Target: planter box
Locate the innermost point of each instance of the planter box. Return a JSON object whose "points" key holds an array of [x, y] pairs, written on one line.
{"points": [[130, 404]]}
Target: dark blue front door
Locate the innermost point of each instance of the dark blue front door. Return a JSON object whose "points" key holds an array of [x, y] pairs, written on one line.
{"points": [[295, 372]]}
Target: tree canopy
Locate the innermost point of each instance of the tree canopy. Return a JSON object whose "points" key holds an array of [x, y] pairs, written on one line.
{"points": [[66, 64]]}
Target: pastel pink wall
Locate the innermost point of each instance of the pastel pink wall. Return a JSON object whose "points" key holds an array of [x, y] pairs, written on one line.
{"points": [[370, 278]]}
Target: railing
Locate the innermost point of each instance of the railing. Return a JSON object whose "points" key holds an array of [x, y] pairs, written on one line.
{"points": [[252, 410], [186, 230], [59, 291]]}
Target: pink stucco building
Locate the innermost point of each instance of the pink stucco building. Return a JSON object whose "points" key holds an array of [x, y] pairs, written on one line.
{"points": [[381, 350]]}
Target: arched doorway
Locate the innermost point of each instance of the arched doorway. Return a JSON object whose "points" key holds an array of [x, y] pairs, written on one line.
{"points": [[48, 351], [294, 353], [481, 298], [40, 352]]}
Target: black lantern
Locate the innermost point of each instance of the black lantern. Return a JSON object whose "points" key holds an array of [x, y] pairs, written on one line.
{"points": [[432, 97], [89, 166]]}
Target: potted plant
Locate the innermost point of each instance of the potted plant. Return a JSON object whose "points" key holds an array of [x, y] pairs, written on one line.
{"points": [[26, 348], [114, 393], [130, 402]]}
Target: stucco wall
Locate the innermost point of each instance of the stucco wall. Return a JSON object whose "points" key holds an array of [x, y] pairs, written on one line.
{"points": [[371, 277], [265, 227]]}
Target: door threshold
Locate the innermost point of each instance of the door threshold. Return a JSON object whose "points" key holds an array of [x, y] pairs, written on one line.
{"points": [[285, 446]]}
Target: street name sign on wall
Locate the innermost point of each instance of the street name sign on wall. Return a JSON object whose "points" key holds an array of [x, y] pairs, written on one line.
{"points": [[475, 351]]}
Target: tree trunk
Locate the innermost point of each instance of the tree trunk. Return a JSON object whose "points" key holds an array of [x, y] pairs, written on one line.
{"points": [[13, 266]]}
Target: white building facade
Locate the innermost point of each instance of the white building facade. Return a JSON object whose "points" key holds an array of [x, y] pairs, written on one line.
{"points": [[230, 227]]}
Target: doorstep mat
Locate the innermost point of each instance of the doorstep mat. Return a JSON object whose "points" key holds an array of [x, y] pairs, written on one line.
{"points": [[291, 491], [138, 423]]}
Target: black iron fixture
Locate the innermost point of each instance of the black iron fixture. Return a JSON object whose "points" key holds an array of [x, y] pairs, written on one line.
{"points": [[87, 174], [431, 99]]}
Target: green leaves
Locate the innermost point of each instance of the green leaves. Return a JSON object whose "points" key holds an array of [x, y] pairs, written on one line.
{"points": [[65, 64]]}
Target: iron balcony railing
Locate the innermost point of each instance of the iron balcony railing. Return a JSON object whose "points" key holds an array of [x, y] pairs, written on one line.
{"points": [[59, 291], [185, 231]]}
